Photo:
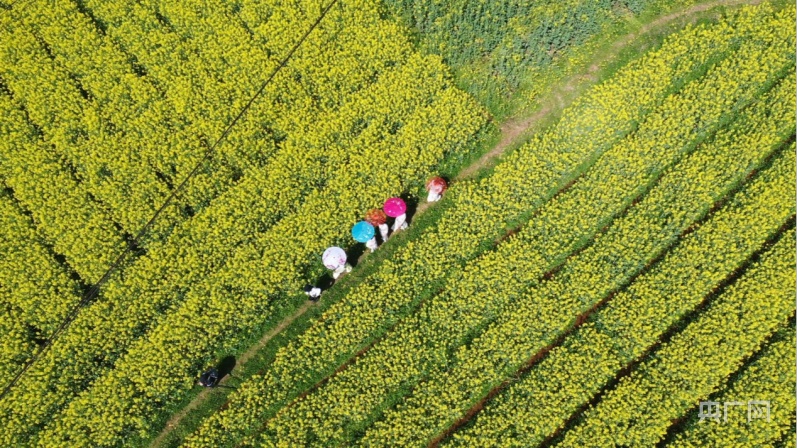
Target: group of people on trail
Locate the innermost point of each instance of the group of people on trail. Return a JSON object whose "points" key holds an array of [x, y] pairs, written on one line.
{"points": [[334, 258], [365, 231]]}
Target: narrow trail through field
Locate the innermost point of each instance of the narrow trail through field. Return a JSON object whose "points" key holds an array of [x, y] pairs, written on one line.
{"points": [[516, 129], [513, 131], [245, 357]]}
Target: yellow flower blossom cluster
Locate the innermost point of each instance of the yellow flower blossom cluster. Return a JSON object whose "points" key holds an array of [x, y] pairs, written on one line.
{"points": [[485, 287], [158, 367], [72, 124], [146, 120], [771, 378], [418, 345], [479, 211], [697, 361], [633, 320], [36, 292], [357, 120], [65, 217]]}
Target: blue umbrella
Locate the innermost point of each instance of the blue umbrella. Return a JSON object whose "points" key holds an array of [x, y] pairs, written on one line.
{"points": [[362, 231]]}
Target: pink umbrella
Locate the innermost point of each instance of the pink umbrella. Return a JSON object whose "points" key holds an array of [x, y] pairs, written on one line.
{"points": [[394, 207]]}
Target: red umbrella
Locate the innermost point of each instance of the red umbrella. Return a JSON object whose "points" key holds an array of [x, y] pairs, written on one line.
{"points": [[436, 184], [376, 217], [394, 207]]}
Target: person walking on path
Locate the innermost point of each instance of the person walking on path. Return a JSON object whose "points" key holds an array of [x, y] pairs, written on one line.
{"points": [[363, 232], [396, 208], [209, 378], [436, 186], [313, 292], [345, 268], [377, 218], [334, 259]]}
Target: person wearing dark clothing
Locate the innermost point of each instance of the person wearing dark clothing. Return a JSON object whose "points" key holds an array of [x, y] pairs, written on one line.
{"points": [[209, 378]]}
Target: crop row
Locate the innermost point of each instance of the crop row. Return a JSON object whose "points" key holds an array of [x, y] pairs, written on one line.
{"points": [[73, 125], [64, 215], [634, 319], [770, 378], [419, 345], [477, 213], [697, 361], [35, 290]]}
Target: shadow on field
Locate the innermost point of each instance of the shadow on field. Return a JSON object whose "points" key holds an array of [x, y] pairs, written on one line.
{"points": [[325, 281], [225, 366], [412, 206]]}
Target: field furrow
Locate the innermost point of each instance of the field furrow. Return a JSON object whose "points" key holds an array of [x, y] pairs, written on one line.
{"points": [[770, 377], [572, 373]]}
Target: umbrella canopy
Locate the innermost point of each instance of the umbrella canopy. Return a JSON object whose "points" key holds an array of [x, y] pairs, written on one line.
{"points": [[376, 217], [394, 207], [362, 231], [334, 257], [436, 184]]}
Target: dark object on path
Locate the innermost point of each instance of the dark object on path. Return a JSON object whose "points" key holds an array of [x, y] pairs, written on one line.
{"points": [[210, 378]]}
